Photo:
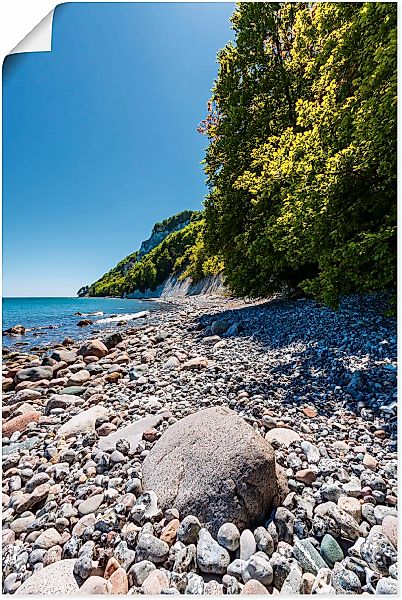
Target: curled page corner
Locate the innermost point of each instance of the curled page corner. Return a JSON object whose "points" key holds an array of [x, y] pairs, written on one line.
{"points": [[39, 39]]}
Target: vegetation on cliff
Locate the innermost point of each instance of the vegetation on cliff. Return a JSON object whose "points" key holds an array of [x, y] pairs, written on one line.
{"points": [[301, 162], [180, 253]]}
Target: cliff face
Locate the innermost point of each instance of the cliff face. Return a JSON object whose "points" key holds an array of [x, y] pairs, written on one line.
{"points": [[173, 287], [159, 234]]}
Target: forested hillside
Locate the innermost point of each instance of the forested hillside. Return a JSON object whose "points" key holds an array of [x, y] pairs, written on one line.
{"points": [[301, 162], [180, 252]]}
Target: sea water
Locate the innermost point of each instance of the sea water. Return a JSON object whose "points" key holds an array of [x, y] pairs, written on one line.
{"points": [[50, 320]]}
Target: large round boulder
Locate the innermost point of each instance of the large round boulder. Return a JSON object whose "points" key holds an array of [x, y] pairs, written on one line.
{"points": [[215, 466]]}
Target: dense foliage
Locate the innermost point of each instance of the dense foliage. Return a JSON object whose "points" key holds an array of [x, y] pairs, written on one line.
{"points": [[301, 161], [181, 253], [175, 220]]}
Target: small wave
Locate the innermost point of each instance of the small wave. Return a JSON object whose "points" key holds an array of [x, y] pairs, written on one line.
{"points": [[92, 314], [126, 317]]}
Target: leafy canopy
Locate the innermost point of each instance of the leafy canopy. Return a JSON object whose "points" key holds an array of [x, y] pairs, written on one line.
{"points": [[301, 162]]}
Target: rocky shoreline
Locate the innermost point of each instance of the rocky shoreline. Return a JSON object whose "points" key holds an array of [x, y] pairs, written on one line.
{"points": [[221, 447]]}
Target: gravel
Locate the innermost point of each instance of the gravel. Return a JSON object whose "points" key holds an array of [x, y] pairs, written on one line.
{"points": [[318, 384]]}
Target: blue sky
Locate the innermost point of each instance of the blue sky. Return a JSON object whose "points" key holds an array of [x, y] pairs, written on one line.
{"points": [[99, 137]]}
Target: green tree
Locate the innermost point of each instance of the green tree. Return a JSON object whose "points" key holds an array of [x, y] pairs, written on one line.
{"points": [[302, 156]]}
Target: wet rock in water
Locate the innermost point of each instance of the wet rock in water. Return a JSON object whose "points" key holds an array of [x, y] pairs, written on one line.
{"points": [[239, 485], [84, 323], [15, 330], [211, 557], [55, 579]]}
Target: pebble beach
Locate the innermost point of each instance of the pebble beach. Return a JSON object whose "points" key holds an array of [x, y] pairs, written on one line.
{"points": [[220, 446]]}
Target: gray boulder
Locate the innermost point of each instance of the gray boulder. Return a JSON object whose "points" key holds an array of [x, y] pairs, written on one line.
{"points": [[33, 374], [215, 466]]}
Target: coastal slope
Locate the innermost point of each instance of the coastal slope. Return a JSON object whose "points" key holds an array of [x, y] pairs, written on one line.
{"points": [[172, 261]]}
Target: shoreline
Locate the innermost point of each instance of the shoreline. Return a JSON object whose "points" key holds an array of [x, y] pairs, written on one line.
{"points": [[315, 384]]}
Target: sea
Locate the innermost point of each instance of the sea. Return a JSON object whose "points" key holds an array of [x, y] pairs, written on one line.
{"points": [[50, 320]]}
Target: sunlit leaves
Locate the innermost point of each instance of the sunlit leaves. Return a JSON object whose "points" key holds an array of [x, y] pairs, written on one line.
{"points": [[302, 160]]}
